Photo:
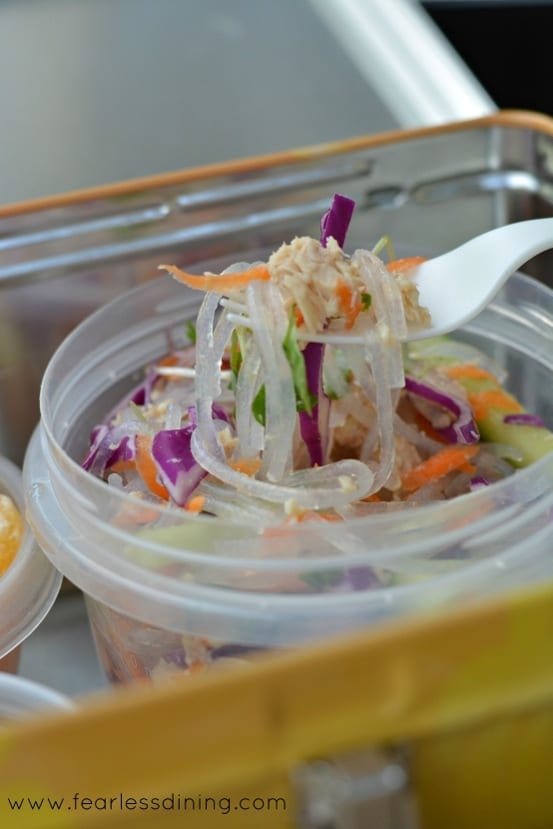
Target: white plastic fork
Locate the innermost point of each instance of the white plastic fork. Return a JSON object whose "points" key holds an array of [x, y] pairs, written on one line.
{"points": [[456, 286]]}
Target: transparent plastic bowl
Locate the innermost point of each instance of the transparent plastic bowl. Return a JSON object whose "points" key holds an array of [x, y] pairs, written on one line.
{"points": [[197, 589], [29, 586], [20, 697]]}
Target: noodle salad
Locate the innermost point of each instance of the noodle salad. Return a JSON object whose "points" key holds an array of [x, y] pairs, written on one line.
{"points": [[297, 398]]}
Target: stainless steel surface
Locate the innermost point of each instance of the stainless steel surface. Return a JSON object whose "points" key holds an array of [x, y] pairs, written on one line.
{"points": [[401, 52], [96, 91]]}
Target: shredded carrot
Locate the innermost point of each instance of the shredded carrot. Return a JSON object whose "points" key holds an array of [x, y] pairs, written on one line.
{"points": [[248, 466], [299, 317], [484, 402], [196, 667], [425, 426], [219, 283], [196, 504], [446, 460], [404, 265], [468, 370], [131, 516], [313, 515], [146, 467], [122, 466], [299, 518], [329, 516], [168, 360], [372, 498], [349, 302]]}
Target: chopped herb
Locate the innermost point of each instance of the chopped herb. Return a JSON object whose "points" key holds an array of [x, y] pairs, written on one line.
{"points": [[322, 580], [366, 300], [258, 406], [384, 242], [304, 399], [300, 405], [191, 332], [235, 354], [137, 411], [235, 358]]}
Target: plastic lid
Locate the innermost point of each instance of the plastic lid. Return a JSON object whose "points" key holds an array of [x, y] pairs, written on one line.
{"points": [[30, 585]]}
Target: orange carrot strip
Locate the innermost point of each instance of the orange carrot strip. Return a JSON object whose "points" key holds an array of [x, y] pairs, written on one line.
{"points": [[146, 467], [219, 283], [168, 360], [313, 515], [122, 466], [469, 370], [349, 302], [403, 265], [424, 425], [248, 466], [446, 460], [483, 402], [329, 516], [299, 317], [196, 504], [372, 498], [130, 517]]}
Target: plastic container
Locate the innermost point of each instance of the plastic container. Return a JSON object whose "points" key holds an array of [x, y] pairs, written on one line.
{"points": [[195, 590], [29, 586], [20, 697]]}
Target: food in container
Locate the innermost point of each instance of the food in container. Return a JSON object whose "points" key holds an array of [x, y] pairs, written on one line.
{"points": [[283, 484], [284, 413], [28, 582], [11, 531]]}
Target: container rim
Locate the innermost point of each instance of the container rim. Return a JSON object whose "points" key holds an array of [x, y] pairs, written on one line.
{"points": [[20, 696]]}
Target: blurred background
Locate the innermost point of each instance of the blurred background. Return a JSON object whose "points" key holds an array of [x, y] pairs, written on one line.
{"points": [[95, 91]]}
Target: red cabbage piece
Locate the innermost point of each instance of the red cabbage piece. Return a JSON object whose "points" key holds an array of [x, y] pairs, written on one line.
{"points": [[335, 222], [141, 395], [109, 445], [359, 578], [97, 438], [218, 413], [230, 650], [310, 424], [177, 468], [524, 419], [463, 429], [478, 481], [126, 451]]}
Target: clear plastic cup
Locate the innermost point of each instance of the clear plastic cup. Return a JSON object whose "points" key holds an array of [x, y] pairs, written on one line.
{"points": [[197, 591], [29, 586], [21, 697]]}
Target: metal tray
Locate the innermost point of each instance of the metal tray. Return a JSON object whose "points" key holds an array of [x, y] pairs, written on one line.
{"points": [[428, 189]]}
